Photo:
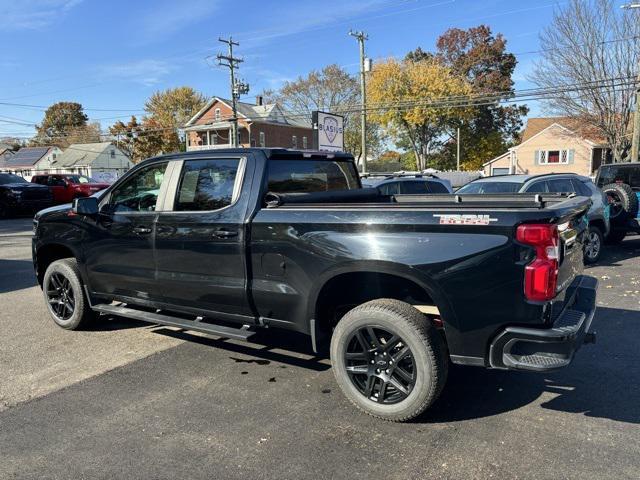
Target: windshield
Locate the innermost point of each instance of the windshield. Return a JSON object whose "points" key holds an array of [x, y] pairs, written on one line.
{"points": [[80, 179], [7, 178], [490, 187]]}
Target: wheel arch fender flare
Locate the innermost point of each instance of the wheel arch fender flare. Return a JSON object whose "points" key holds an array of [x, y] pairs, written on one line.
{"points": [[405, 272]]}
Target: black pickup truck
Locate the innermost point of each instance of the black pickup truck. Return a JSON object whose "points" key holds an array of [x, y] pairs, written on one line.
{"points": [[230, 241]]}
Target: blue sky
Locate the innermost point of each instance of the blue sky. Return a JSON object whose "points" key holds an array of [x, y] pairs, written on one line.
{"points": [[111, 55]]}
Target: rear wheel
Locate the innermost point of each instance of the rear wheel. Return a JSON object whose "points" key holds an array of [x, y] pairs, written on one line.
{"points": [[593, 246], [64, 295], [388, 359]]}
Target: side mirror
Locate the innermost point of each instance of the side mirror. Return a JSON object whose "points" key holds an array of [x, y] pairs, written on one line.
{"points": [[85, 206]]}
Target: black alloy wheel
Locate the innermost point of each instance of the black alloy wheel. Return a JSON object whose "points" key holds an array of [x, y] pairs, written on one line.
{"points": [[380, 365], [60, 296]]}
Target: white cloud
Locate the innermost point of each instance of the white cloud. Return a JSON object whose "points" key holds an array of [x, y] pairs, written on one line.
{"points": [[167, 17], [147, 72], [33, 14]]}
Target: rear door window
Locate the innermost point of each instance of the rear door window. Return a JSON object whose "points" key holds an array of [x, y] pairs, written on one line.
{"points": [[581, 188], [304, 176], [538, 187], [561, 185], [437, 187], [207, 184], [391, 188], [414, 187]]}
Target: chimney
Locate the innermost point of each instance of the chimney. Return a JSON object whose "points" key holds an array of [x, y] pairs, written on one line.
{"points": [[259, 100]]}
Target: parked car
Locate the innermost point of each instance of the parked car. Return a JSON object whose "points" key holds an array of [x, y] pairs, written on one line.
{"points": [[397, 184], [65, 186], [233, 240], [19, 196], [620, 182], [555, 183]]}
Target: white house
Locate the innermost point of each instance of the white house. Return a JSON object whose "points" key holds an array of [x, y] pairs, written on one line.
{"points": [[102, 161]]}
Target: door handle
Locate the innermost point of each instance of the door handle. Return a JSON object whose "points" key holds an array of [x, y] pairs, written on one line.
{"points": [[141, 230], [222, 233]]}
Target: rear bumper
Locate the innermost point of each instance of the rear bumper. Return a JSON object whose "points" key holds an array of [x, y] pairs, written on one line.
{"points": [[544, 349]]}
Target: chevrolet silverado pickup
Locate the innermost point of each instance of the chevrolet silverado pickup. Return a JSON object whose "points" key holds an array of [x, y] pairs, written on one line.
{"points": [[396, 286]]}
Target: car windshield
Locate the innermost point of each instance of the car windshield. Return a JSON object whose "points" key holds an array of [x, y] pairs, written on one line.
{"points": [[7, 178], [80, 179], [491, 187], [629, 174]]}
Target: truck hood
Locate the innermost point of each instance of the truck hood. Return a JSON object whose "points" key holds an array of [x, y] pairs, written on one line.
{"points": [[23, 186]]}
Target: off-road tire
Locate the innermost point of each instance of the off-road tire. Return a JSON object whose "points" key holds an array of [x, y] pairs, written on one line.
{"points": [[82, 313], [425, 342], [628, 199]]}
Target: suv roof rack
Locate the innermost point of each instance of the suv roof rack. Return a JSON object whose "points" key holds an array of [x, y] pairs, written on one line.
{"points": [[399, 174]]}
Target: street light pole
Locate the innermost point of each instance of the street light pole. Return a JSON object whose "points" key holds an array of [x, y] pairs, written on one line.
{"points": [[361, 37], [635, 139]]}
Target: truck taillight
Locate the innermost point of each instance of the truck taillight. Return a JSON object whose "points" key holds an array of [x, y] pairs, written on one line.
{"points": [[541, 275]]}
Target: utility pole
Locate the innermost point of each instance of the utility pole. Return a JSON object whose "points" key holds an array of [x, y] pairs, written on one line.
{"points": [[361, 37], [635, 139], [237, 88], [458, 152]]}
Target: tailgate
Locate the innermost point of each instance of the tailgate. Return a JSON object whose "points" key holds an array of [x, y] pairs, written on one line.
{"points": [[572, 233]]}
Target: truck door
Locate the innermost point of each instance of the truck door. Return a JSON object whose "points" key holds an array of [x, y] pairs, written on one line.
{"points": [[200, 237], [58, 187], [119, 244]]}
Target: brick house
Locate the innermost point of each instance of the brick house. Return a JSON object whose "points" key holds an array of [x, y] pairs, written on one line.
{"points": [[259, 125], [553, 145]]}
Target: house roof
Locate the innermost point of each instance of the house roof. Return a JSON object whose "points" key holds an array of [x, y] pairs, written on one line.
{"points": [[496, 158], [80, 154], [268, 113], [537, 125], [26, 157]]}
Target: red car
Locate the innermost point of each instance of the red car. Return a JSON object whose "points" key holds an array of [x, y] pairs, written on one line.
{"points": [[67, 186]]}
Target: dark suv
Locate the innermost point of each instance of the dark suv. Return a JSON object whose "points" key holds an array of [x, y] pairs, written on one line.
{"points": [[620, 182], [19, 196]]}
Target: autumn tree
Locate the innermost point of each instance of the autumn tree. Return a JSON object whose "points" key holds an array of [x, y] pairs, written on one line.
{"points": [[410, 98], [331, 89], [167, 113], [481, 57], [585, 42], [65, 123]]}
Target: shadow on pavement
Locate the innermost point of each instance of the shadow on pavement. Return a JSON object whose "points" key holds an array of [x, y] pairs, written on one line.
{"points": [[613, 255], [11, 226], [16, 275], [262, 346], [602, 382]]}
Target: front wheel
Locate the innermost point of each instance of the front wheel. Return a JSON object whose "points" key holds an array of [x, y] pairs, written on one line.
{"points": [[64, 295], [593, 247], [388, 359]]}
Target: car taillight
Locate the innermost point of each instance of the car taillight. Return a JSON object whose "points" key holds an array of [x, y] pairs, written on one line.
{"points": [[541, 275]]}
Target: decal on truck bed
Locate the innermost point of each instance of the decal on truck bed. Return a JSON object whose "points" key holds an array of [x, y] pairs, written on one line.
{"points": [[464, 219]]}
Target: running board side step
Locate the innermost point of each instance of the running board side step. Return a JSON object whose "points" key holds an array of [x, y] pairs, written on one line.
{"points": [[242, 333]]}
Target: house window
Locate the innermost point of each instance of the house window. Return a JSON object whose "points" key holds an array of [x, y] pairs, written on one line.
{"points": [[304, 143], [217, 114], [263, 143], [294, 142], [553, 157], [113, 154]]}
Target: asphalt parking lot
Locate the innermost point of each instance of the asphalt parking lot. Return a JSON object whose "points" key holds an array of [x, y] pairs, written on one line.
{"points": [[129, 400]]}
